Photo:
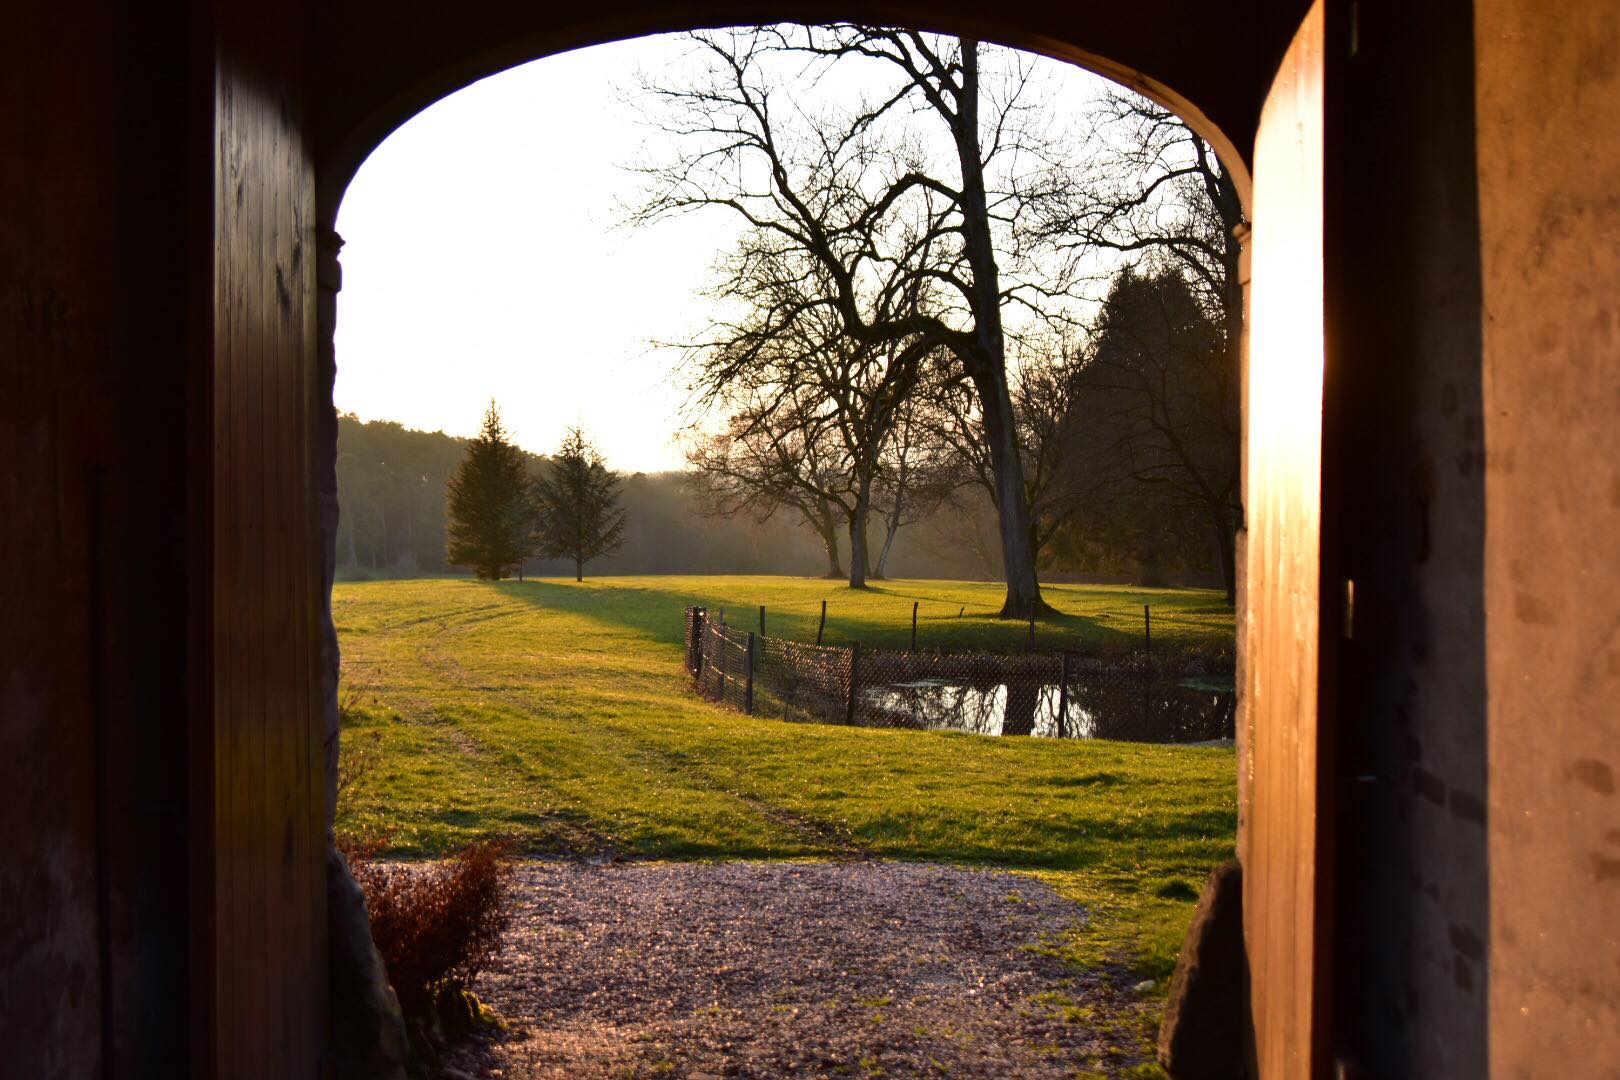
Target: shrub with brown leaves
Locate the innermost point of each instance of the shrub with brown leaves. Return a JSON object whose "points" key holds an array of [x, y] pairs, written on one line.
{"points": [[436, 926]]}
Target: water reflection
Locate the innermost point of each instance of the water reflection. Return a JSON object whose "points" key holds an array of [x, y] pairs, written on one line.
{"points": [[1135, 711]]}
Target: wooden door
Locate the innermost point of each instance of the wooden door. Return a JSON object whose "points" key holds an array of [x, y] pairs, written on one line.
{"points": [[1281, 798], [263, 966]]}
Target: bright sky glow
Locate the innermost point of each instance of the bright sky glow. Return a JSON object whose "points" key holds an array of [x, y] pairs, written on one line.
{"points": [[484, 257]]}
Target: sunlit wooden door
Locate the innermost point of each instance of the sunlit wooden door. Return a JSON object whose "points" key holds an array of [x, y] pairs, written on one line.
{"points": [[1282, 821]]}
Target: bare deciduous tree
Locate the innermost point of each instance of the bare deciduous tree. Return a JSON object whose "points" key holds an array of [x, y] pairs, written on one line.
{"points": [[1152, 187], [910, 251], [915, 477], [811, 410], [1044, 423], [756, 469]]}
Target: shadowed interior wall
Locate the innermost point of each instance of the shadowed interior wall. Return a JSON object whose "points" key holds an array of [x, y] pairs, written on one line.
{"points": [[95, 523], [1404, 413], [1478, 403]]}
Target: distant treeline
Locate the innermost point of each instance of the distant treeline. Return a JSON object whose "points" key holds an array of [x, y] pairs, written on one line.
{"points": [[392, 501]]}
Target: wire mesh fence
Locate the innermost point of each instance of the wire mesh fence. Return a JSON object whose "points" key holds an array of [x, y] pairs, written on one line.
{"points": [[1055, 694]]}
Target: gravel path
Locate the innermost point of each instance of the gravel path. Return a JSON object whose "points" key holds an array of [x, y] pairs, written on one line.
{"points": [[859, 968]]}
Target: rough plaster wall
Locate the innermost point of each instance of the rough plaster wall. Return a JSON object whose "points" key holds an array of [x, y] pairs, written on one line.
{"points": [[1548, 104]]}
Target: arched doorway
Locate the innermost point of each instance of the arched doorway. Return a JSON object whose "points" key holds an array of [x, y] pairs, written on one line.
{"points": [[360, 87]]}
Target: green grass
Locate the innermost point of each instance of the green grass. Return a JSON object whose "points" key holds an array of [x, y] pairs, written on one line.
{"points": [[950, 614], [559, 714]]}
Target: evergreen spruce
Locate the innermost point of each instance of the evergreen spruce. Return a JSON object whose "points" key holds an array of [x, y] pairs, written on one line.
{"points": [[491, 520], [578, 504]]}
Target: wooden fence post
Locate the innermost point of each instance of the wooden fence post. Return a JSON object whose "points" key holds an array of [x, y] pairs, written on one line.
{"points": [[762, 620], [694, 662], [914, 626], [748, 685], [1032, 631], [1063, 698], [1147, 626], [722, 616], [854, 678], [822, 625]]}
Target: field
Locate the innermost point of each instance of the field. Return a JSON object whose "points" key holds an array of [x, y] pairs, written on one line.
{"points": [[559, 714]]}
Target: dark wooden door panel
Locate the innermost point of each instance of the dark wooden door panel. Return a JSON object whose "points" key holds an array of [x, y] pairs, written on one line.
{"points": [[268, 882]]}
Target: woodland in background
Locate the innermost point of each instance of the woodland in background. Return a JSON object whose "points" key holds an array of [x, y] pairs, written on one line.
{"points": [[391, 488]]}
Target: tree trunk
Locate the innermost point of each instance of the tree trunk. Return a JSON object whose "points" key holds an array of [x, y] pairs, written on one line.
{"points": [[892, 524], [989, 368], [835, 568], [579, 570], [827, 529], [892, 527], [1226, 551], [1150, 567], [1017, 554], [857, 540]]}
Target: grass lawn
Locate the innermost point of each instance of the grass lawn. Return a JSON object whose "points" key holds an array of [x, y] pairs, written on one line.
{"points": [[559, 714]]}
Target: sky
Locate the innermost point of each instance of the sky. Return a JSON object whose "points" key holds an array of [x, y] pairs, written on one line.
{"points": [[485, 256]]}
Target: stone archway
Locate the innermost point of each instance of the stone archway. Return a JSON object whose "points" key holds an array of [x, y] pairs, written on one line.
{"points": [[481, 43]]}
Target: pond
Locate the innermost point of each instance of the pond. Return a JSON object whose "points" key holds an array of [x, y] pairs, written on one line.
{"points": [[1192, 710]]}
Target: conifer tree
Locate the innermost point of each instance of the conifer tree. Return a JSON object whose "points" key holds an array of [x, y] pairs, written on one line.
{"points": [[578, 504], [491, 525]]}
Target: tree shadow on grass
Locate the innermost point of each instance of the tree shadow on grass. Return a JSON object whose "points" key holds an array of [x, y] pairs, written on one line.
{"points": [[658, 614]]}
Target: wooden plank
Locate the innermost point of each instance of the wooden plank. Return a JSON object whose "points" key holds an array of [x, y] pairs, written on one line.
{"points": [[231, 934], [269, 885], [297, 350], [317, 594], [1280, 611], [278, 777], [252, 770]]}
